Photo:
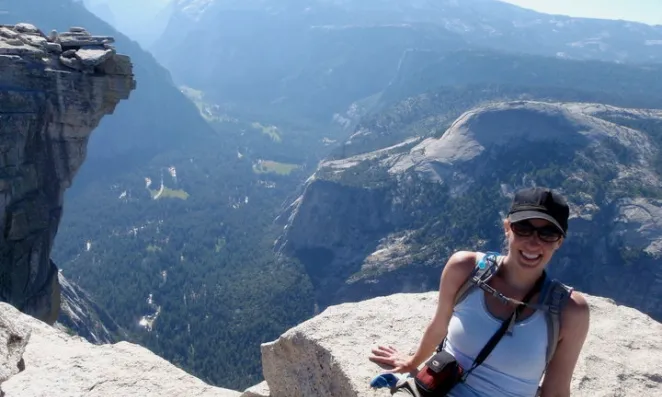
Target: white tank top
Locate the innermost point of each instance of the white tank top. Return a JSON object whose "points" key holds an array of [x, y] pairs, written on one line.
{"points": [[515, 366]]}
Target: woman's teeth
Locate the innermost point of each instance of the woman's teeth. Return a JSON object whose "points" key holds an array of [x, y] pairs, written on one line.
{"points": [[529, 255]]}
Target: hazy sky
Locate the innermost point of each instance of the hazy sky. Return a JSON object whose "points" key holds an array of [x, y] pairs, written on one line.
{"points": [[647, 11]]}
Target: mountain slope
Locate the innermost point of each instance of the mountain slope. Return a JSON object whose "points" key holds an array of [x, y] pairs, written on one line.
{"points": [[321, 56], [422, 71], [386, 221], [81, 315], [282, 64], [187, 266], [454, 82]]}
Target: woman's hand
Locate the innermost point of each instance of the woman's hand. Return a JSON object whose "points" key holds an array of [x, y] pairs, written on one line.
{"points": [[391, 357]]}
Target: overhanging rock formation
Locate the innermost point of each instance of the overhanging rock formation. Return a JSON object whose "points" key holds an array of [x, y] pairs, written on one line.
{"points": [[327, 355], [54, 90]]}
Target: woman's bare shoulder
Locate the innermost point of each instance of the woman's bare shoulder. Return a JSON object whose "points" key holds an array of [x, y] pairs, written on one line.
{"points": [[459, 268], [575, 317], [574, 330], [456, 271]]}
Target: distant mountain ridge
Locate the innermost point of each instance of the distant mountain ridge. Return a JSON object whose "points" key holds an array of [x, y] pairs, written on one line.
{"points": [[321, 56], [452, 82]]}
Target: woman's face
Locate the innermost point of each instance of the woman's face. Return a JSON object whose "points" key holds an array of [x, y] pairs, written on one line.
{"points": [[526, 246]]}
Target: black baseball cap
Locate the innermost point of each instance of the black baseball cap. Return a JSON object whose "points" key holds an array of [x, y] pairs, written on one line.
{"points": [[540, 203]]}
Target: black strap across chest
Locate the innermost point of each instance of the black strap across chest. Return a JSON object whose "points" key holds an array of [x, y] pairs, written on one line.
{"points": [[505, 325]]}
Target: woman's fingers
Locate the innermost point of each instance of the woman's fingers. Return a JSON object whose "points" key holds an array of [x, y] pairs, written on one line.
{"points": [[383, 361], [380, 351], [388, 356], [385, 350]]}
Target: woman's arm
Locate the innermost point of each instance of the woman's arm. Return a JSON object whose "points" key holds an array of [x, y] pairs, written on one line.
{"points": [[574, 329], [455, 273]]}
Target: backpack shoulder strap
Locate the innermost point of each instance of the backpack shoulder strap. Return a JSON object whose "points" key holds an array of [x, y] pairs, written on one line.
{"points": [[554, 297], [486, 266]]}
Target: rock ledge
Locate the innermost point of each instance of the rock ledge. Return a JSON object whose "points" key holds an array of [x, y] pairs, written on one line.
{"points": [[327, 355]]}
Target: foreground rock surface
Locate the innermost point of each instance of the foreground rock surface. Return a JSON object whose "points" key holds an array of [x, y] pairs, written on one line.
{"points": [[259, 390], [57, 364], [327, 355], [53, 93], [13, 339]]}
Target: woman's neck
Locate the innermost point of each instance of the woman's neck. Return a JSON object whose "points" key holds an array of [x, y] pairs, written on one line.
{"points": [[519, 279]]}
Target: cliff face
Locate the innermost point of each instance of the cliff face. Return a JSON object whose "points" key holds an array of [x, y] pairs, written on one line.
{"points": [[54, 90]]}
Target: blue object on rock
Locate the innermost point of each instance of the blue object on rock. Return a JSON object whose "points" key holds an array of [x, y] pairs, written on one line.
{"points": [[384, 380]]}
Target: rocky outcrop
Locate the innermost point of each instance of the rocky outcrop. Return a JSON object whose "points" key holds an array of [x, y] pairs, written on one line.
{"points": [[45, 361], [385, 221], [13, 338], [327, 355], [54, 90]]}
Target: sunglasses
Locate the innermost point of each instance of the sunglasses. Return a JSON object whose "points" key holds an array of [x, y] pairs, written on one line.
{"points": [[547, 233]]}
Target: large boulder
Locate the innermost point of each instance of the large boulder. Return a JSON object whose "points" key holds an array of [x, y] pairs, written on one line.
{"points": [[327, 355], [45, 361]]}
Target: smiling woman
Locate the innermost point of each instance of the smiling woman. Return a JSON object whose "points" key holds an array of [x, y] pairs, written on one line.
{"points": [[482, 298]]}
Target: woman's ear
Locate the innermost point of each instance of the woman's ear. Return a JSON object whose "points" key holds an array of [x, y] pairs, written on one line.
{"points": [[560, 242], [506, 226]]}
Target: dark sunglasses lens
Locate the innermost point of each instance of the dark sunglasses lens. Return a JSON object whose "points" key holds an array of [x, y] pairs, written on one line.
{"points": [[522, 228], [549, 234], [525, 229]]}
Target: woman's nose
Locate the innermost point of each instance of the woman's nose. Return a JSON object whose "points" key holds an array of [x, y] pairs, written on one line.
{"points": [[534, 240]]}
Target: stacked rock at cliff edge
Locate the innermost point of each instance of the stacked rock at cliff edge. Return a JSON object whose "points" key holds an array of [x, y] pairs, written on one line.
{"points": [[54, 90]]}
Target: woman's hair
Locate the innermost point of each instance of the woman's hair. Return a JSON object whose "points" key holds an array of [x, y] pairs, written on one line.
{"points": [[505, 241]]}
